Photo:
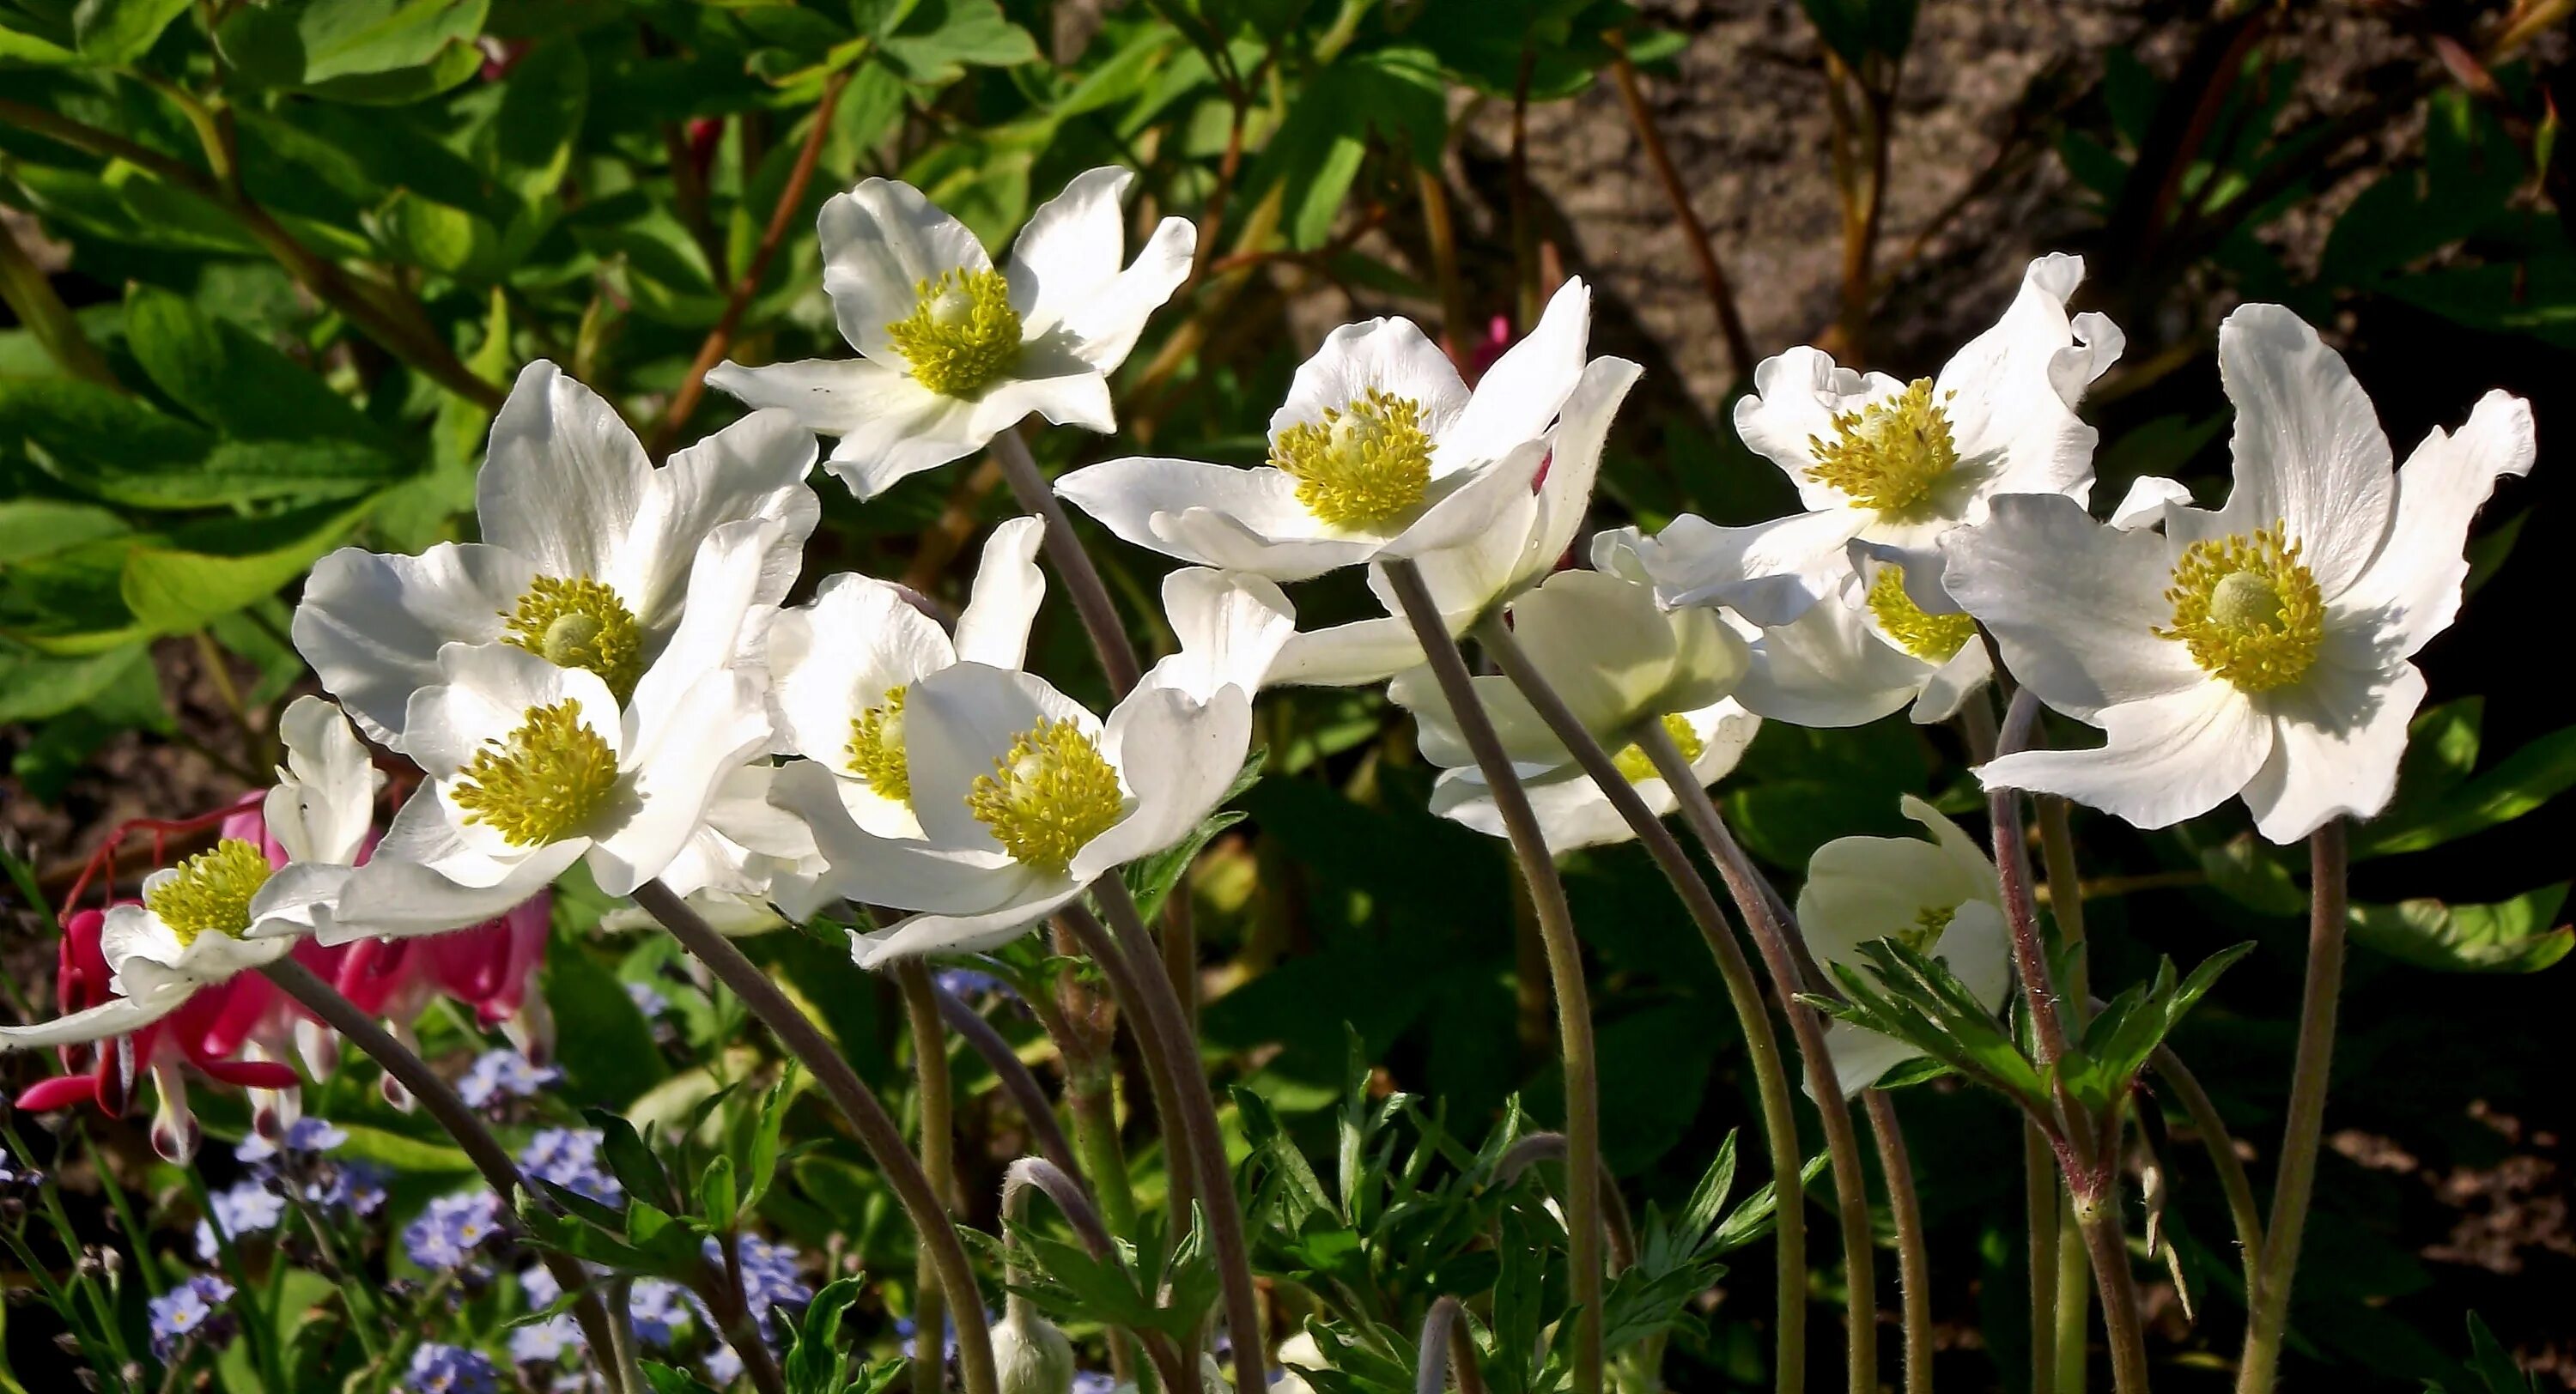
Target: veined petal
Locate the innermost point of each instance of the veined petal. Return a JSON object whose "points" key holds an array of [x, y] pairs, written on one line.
{"points": [[829, 396], [1795, 398], [683, 751], [2336, 739], [833, 658], [2308, 448], [1602, 644], [1230, 626], [371, 624], [905, 873], [393, 899], [2167, 758], [753, 469], [1346, 655], [1522, 392], [2074, 605], [994, 627], [1069, 248], [1178, 754], [1126, 495], [1828, 668], [1062, 388], [564, 477], [1391, 355], [881, 240], [323, 805], [2412, 589], [1105, 326], [1770, 572], [724, 575], [2012, 390]]}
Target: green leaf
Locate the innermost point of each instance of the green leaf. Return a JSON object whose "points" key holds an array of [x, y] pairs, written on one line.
{"points": [[437, 237], [2495, 1366], [2511, 936], [34, 686], [637, 1170], [665, 1380], [116, 32], [719, 1198], [19, 46], [31, 528], [409, 1156], [2519, 783], [1858, 30], [532, 136], [940, 39], [374, 52], [611, 1060], [231, 379], [172, 590]]}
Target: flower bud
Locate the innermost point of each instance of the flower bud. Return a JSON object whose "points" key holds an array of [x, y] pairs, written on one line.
{"points": [[1030, 1356]]}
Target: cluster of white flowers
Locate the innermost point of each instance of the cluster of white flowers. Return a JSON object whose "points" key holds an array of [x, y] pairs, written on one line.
{"points": [[609, 676]]}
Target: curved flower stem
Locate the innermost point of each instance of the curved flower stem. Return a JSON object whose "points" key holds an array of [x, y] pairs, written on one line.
{"points": [[1755, 900], [1072, 564], [938, 1151], [1564, 961], [2012, 868], [1194, 1103], [858, 1104], [2098, 1216], [1550, 1147], [2045, 1207], [1743, 991], [1022, 1086], [621, 1335], [1913, 1258], [2296, 1180], [2057, 857], [2205, 1120], [1083, 1025], [1039, 1174], [462, 1123], [1127, 988], [720, 1286], [1431, 1358]]}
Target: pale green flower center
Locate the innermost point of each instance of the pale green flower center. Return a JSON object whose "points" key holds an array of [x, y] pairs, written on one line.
{"points": [[1889, 455], [1932, 638], [1365, 463], [876, 748], [211, 894], [962, 334], [544, 781], [1048, 796], [579, 623], [1929, 923], [2248, 609], [1638, 767]]}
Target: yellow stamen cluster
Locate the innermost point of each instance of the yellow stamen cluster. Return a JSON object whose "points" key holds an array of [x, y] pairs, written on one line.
{"points": [[1634, 763], [962, 333], [1365, 463], [1889, 455], [876, 748], [1929, 922], [580, 623], [211, 894], [1932, 638], [543, 782], [1049, 796], [2248, 609]]}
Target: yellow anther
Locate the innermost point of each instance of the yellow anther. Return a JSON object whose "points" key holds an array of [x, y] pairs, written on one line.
{"points": [[2248, 609], [1639, 767], [962, 333], [876, 748], [211, 894], [1048, 797], [543, 782], [1889, 455], [1366, 463], [580, 623], [1929, 922], [1932, 638]]}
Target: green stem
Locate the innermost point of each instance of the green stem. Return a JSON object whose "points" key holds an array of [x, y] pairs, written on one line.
{"points": [[145, 1264], [2098, 1217], [30, 296], [1072, 564], [2296, 1182], [2205, 1120], [2074, 1302], [938, 1161], [2057, 859], [1744, 992], [2043, 1207], [1023, 1087], [258, 1325], [1564, 962], [1754, 900], [858, 1104], [1913, 1256]]}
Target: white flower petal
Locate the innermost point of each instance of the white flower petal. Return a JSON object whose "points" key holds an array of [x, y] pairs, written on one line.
{"points": [[2074, 605], [1768, 572], [1525, 737], [2336, 740], [1179, 755], [426, 832], [723, 577], [1953, 684], [120, 1016], [1523, 390], [2412, 589], [1358, 654], [962, 934], [2012, 390], [994, 627], [488, 693], [830, 396], [1391, 355], [1105, 327], [1065, 276], [1794, 401], [565, 476], [956, 724], [2308, 448], [323, 805], [2149, 499], [1230, 626], [881, 240], [393, 899], [682, 752], [1573, 464], [1064, 389], [297, 899], [371, 624], [1290, 547], [841, 654], [1860, 1056], [2167, 758], [752, 469], [1829, 668], [1468, 504], [1127, 496], [905, 873]]}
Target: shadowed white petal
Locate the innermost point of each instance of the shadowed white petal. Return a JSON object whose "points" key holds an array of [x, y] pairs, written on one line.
{"points": [[1345, 655], [832, 659], [1105, 326], [1794, 401], [752, 469], [121, 1016], [1525, 738], [830, 396], [565, 476], [2336, 739], [994, 627], [2073, 605], [1179, 756], [1066, 391], [956, 724], [881, 240], [723, 577], [1827, 669], [1065, 275], [393, 899], [2149, 499], [2012, 390], [1952, 684], [682, 752], [2167, 758], [1283, 546], [1768, 572], [1230, 626], [962, 934], [488, 692], [2412, 589], [371, 624], [297, 899], [1125, 495], [1467, 504], [1390, 355], [323, 804], [2308, 448], [426, 832], [905, 873], [1522, 392], [1573, 463]]}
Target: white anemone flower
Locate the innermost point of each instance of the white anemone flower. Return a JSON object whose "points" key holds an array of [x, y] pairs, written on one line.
{"points": [[1023, 798], [1517, 551], [2260, 650], [953, 352], [1379, 452], [226, 910], [532, 767], [1897, 463], [1938, 898], [1621, 663], [585, 554], [1868, 649]]}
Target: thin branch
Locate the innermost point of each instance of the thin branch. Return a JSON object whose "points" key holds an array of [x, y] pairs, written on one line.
{"points": [[1712, 273], [1072, 564], [1022, 1086]]}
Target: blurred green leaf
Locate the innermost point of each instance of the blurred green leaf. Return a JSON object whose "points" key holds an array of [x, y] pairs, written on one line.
{"points": [[2519, 783], [32, 528], [113, 32], [2511, 936], [940, 39], [611, 1059], [174, 589]]}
